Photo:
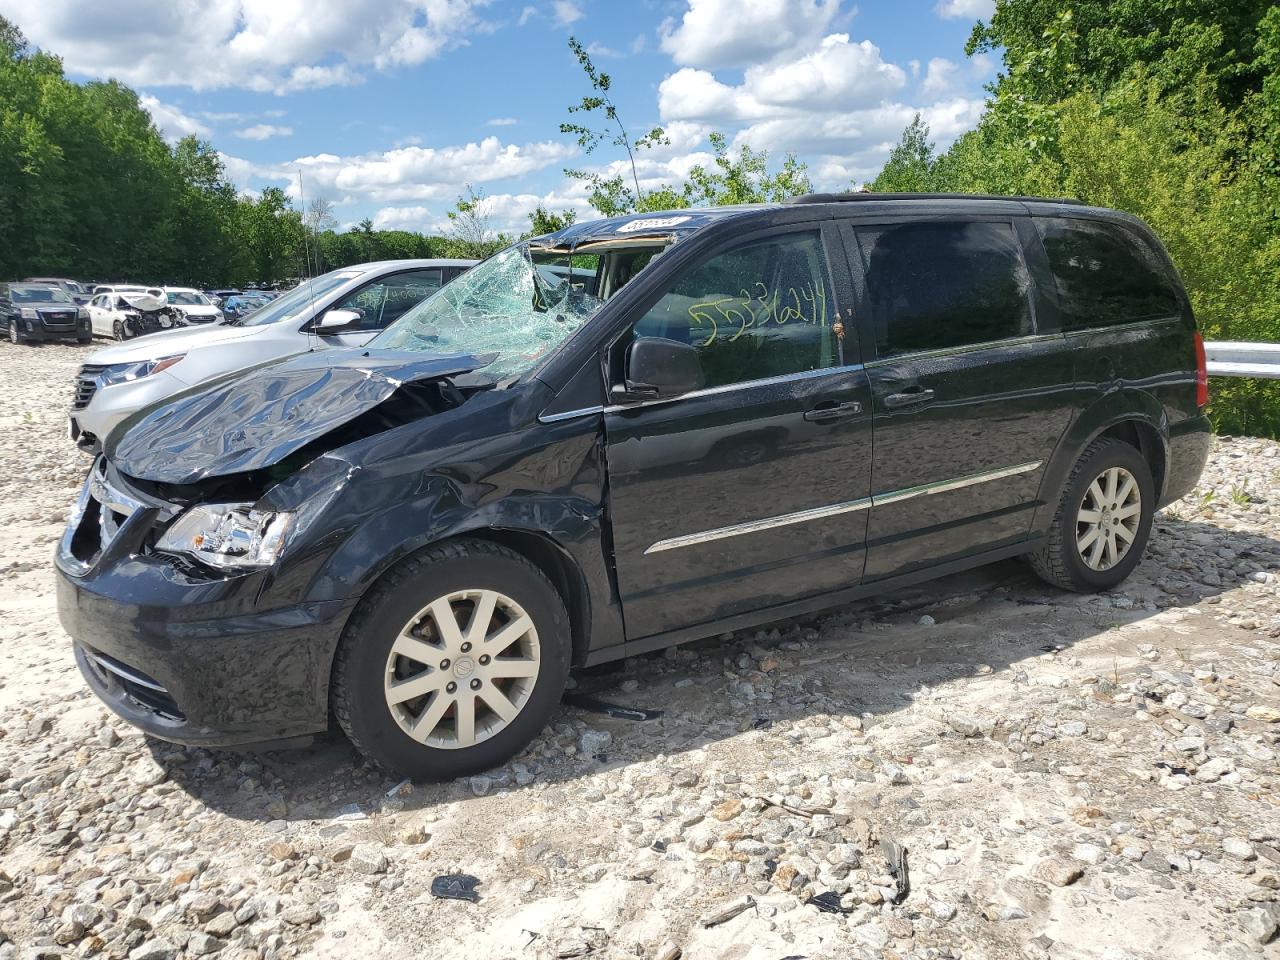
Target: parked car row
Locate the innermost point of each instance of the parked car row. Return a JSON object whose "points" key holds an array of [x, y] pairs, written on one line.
{"points": [[600, 442]]}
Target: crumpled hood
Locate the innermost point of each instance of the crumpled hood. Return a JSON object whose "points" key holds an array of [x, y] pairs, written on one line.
{"points": [[258, 418]]}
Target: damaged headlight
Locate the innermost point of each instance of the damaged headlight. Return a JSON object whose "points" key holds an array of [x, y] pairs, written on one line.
{"points": [[127, 372], [228, 535]]}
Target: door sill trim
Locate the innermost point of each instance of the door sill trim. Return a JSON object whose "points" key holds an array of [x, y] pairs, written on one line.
{"points": [[806, 605]]}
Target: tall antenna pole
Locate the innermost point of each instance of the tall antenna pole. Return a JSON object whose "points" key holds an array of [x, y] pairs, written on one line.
{"points": [[311, 286]]}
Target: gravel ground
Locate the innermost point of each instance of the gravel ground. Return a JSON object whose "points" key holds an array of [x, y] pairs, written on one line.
{"points": [[1062, 776]]}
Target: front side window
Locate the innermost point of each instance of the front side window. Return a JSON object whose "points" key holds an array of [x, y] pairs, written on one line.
{"points": [[386, 301], [762, 309], [1106, 274], [937, 285]]}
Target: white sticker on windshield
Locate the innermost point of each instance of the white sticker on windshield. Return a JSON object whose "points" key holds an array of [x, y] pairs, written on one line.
{"points": [[650, 223]]}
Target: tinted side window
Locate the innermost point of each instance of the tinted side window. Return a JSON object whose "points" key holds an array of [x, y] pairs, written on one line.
{"points": [[1106, 274], [937, 285], [762, 309]]}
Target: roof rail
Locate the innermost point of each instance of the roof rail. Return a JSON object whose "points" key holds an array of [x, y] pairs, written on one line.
{"points": [[859, 197]]}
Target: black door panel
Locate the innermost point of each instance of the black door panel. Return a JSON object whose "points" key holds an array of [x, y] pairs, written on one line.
{"points": [[969, 401], [755, 490], [684, 470], [976, 447]]}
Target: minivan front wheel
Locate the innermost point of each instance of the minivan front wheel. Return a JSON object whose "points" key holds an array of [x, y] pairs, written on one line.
{"points": [[1103, 520], [453, 662]]}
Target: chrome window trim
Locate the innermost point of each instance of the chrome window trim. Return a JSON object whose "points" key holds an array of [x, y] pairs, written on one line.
{"points": [[943, 486], [849, 506], [754, 526], [704, 392], [966, 348]]}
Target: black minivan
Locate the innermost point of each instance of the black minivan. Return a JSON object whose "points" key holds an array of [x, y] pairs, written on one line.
{"points": [[625, 435]]}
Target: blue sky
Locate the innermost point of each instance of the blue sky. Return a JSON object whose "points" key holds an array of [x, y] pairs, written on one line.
{"points": [[389, 107]]}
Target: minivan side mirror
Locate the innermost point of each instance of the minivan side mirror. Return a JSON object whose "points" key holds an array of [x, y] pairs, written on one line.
{"points": [[336, 321], [658, 369]]}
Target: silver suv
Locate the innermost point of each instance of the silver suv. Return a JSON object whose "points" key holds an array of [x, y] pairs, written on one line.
{"points": [[345, 307]]}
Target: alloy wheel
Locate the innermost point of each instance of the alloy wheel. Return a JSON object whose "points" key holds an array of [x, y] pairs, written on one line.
{"points": [[1108, 519], [462, 669], [117, 329], [14, 336]]}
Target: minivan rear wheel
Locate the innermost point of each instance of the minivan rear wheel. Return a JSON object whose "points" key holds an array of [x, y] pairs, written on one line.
{"points": [[453, 662], [1103, 520]]}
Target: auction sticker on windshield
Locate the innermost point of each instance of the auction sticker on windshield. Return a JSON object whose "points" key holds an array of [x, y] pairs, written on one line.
{"points": [[651, 223]]}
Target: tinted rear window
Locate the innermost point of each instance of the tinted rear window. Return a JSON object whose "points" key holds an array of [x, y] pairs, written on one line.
{"points": [[938, 285], [1106, 274]]}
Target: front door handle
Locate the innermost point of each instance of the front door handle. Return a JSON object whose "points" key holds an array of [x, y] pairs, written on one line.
{"points": [[830, 410], [911, 397]]}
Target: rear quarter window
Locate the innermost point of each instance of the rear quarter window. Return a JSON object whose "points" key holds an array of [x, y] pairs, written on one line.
{"points": [[1106, 274]]}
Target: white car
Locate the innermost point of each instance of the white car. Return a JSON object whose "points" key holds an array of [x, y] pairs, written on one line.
{"points": [[345, 307], [194, 306], [110, 315]]}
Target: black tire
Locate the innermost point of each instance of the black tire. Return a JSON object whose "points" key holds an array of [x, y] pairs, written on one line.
{"points": [[1059, 562], [358, 697], [15, 333], [88, 339], [119, 331]]}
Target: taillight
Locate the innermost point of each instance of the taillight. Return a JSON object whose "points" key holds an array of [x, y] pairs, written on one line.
{"points": [[1202, 372]]}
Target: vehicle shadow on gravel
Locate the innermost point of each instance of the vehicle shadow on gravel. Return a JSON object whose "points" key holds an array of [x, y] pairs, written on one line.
{"points": [[860, 662]]}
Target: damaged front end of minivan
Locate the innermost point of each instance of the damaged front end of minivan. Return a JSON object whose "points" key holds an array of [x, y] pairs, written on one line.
{"points": [[224, 537]]}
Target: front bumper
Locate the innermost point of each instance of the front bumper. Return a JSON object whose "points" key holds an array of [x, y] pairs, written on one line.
{"points": [[36, 330], [177, 660], [183, 653]]}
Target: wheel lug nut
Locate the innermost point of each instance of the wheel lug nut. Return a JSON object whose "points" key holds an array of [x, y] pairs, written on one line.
{"points": [[444, 664], [466, 648], [475, 684], [484, 661], [450, 687]]}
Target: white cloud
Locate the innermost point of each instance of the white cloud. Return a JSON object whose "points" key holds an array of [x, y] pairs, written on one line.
{"points": [[565, 12], [264, 131], [527, 14], [969, 9], [403, 218], [262, 45], [838, 75], [410, 175], [172, 123], [730, 33], [501, 122], [939, 77]]}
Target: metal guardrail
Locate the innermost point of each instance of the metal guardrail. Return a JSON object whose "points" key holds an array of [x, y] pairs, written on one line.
{"points": [[1234, 358]]}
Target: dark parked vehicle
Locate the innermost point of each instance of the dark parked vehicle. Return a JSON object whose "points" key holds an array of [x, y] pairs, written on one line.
{"points": [[629, 434], [73, 288], [38, 311]]}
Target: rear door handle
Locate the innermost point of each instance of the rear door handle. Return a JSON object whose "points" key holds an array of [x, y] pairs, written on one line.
{"points": [[908, 398], [830, 410]]}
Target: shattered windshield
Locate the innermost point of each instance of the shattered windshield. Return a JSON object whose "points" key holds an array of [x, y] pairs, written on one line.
{"points": [[519, 304]]}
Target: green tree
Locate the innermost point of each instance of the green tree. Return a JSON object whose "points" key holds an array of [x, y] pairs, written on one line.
{"points": [[542, 220], [910, 167]]}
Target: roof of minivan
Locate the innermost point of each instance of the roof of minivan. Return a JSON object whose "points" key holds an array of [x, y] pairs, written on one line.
{"points": [[680, 223]]}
